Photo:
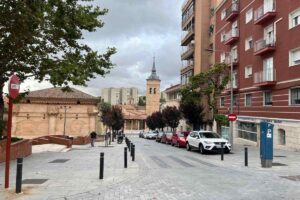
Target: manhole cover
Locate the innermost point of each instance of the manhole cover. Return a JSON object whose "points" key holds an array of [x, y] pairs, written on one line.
{"points": [[278, 164], [34, 181], [292, 178], [280, 156], [59, 161]]}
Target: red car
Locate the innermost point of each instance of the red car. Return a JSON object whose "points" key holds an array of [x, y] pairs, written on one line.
{"points": [[169, 136], [163, 138], [179, 138]]}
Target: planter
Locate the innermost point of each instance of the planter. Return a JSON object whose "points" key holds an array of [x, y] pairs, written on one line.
{"points": [[22, 148]]}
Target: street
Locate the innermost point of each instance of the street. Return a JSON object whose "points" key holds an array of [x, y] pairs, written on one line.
{"points": [[159, 172]]}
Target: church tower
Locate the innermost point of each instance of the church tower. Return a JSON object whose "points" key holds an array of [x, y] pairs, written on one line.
{"points": [[153, 92]]}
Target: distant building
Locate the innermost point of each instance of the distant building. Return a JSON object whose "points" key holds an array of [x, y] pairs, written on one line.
{"points": [[48, 111], [122, 96]]}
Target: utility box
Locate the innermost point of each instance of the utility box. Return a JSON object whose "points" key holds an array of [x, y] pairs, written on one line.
{"points": [[266, 144]]}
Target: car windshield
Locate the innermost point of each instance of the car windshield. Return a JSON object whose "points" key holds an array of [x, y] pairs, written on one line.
{"points": [[209, 135]]}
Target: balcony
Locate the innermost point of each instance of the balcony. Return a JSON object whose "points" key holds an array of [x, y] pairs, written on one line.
{"points": [[264, 13], [232, 12], [264, 46], [188, 36], [265, 78], [227, 88], [186, 4], [188, 52], [227, 61], [187, 16], [231, 37], [187, 67]]}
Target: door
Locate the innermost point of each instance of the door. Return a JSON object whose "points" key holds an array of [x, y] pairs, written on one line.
{"points": [[269, 35], [268, 6], [234, 29], [268, 70]]}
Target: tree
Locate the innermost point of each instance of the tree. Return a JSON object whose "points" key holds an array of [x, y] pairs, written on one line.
{"points": [[117, 119], [43, 40], [171, 116], [150, 123], [191, 107], [158, 120], [142, 101]]}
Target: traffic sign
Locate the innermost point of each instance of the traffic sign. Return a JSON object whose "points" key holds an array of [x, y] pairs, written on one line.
{"points": [[232, 117], [14, 86]]}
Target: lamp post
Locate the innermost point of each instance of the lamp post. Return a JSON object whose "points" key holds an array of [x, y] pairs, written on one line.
{"points": [[231, 91]]}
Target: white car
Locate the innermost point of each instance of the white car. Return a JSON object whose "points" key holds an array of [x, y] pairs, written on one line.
{"points": [[206, 141], [151, 135]]}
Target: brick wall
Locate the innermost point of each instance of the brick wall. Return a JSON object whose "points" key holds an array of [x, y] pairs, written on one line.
{"points": [[21, 148]]}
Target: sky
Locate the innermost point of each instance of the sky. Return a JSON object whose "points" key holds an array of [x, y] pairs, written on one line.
{"points": [[139, 29]]}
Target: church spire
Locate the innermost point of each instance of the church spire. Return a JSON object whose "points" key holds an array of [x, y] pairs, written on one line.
{"points": [[153, 75]]}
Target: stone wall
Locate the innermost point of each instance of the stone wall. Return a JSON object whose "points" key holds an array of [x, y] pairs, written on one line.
{"points": [[18, 149]]}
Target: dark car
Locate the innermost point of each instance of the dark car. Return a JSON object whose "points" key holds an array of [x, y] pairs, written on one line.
{"points": [[158, 137], [169, 136], [179, 138], [163, 138]]}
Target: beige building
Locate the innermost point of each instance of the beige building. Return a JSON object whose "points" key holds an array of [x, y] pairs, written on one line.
{"points": [[122, 95], [54, 112]]}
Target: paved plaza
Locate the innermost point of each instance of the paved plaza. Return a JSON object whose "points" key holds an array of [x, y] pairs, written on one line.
{"points": [[159, 172]]}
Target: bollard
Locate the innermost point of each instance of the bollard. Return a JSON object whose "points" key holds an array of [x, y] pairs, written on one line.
{"points": [[133, 152], [125, 157], [19, 175], [101, 165], [222, 151], [129, 147], [246, 156]]}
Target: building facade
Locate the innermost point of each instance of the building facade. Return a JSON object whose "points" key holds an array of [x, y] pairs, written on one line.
{"points": [[261, 38], [121, 96], [54, 112]]}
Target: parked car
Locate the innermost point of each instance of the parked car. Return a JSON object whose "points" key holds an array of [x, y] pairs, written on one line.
{"points": [[163, 138], [151, 135], [158, 137], [169, 136], [206, 141], [179, 138]]}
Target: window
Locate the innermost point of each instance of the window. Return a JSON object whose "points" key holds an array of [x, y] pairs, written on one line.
{"points": [[295, 96], [248, 71], [234, 54], [248, 99], [222, 102], [248, 43], [150, 90], [249, 15], [223, 14], [268, 98], [154, 90], [222, 58], [295, 57], [247, 131], [294, 18], [223, 36], [234, 100]]}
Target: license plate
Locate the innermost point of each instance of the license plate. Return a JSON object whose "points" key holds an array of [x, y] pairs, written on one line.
{"points": [[218, 146]]}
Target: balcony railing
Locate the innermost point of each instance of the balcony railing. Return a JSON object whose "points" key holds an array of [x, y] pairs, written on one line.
{"points": [[187, 15], [265, 78], [187, 35], [232, 11], [188, 52], [231, 36], [227, 60], [186, 66], [264, 13], [264, 45]]}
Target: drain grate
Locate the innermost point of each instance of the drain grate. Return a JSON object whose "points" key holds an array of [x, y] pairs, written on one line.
{"points": [[34, 181], [59, 161], [280, 156], [292, 178], [278, 164]]}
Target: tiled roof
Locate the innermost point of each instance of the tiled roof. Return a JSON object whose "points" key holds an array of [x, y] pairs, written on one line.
{"points": [[173, 88], [58, 93]]}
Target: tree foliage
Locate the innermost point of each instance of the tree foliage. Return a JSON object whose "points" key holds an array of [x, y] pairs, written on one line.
{"points": [[117, 118], [158, 119], [105, 110], [150, 123], [142, 101], [43, 40], [171, 116]]}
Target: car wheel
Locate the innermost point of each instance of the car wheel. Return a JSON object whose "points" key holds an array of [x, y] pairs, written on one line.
{"points": [[188, 146], [201, 149]]}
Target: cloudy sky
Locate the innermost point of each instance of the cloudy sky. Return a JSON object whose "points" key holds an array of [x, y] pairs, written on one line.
{"points": [[138, 29]]}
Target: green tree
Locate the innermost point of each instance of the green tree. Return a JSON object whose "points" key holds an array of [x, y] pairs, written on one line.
{"points": [[142, 101], [106, 114], [150, 123], [43, 40], [171, 116], [117, 119], [158, 120]]}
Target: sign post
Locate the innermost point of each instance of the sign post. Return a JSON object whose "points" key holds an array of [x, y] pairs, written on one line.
{"points": [[13, 89]]}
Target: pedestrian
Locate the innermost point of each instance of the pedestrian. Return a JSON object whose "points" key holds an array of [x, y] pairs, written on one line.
{"points": [[93, 136]]}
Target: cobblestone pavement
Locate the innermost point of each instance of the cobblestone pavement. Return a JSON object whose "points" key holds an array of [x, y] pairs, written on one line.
{"points": [[159, 172]]}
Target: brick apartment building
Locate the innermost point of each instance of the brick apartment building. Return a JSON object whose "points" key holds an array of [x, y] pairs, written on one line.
{"points": [[263, 37]]}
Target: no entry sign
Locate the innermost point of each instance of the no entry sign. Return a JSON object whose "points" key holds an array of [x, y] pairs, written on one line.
{"points": [[232, 117], [14, 86]]}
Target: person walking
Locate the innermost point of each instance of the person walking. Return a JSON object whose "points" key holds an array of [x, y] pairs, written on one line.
{"points": [[93, 137]]}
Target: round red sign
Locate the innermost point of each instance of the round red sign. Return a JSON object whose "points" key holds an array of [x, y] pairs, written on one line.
{"points": [[14, 86], [232, 117]]}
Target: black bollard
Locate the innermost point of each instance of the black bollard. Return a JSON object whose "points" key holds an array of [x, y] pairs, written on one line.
{"points": [[101, 165], [246, 156], [133, 152], [125, 157], [222, 151], [19, 175], [131, 147]]}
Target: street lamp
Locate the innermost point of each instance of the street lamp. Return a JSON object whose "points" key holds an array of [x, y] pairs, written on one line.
{"points": [[65, 119], [231, 90]]}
